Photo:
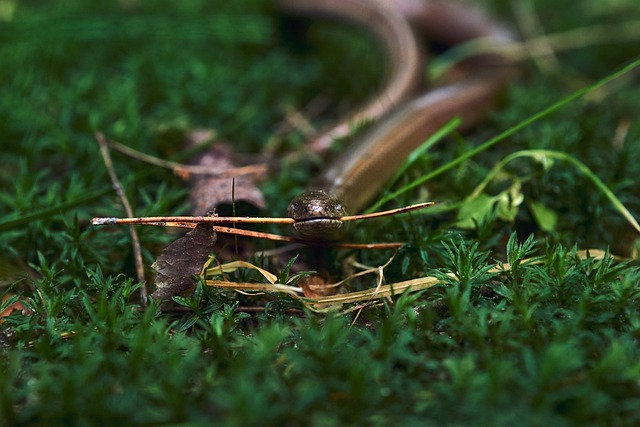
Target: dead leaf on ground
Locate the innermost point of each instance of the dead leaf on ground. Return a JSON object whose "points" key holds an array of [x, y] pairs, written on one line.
{"points": [[209, 192], [182, 260], [15, 306], [315, 286]]}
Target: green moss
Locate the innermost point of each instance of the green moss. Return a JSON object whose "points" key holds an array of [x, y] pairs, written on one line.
{"points": [[552, 342]]}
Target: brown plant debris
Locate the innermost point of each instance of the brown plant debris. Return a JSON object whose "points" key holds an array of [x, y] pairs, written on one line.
{"points": [[182, 260], [209, 192]]}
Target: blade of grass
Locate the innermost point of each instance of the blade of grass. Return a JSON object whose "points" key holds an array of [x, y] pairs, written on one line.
{"points": [[618, 205], [445, 130], [538, 47], [504, 135]]}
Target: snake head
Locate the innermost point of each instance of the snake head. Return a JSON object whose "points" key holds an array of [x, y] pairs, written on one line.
{"points": [[317, 215]]}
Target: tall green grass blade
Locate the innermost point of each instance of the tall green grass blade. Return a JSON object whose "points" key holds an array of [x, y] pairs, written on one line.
{"points": [[541, 154], [504, 135]]}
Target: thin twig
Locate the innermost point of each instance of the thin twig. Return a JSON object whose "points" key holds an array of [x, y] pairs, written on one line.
{"points": [[169, 220], [548, 44], [192, 221], [278, 237], [534, 36], [154, 220], [390, 212], [135, 241], [186, 170]]}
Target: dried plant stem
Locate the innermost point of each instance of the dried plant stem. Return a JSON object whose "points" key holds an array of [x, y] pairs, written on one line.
{"points": [[180, 221], [170, 220], [192, 221], [135, 241], [534, 36], [550, 44], [368, 296], [186, 170], [388, 213], [279, 237]]}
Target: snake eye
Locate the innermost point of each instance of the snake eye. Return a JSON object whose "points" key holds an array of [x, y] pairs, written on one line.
{"points": [[293, 210]]}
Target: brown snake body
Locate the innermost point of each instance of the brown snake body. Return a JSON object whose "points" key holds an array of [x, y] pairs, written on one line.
{"points": [[407, 118]]}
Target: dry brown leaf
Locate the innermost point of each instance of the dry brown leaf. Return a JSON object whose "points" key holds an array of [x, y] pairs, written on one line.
{"points": [[16, 306], [182, 260], [209, 192], [316, 286]]}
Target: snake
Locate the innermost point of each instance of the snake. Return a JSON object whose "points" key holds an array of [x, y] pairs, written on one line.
{"points": [[404, 114]]}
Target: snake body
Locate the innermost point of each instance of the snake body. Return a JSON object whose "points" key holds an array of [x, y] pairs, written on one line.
{"points": [[406, 118]]}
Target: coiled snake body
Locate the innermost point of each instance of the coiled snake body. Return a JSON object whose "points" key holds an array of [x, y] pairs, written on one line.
{"points": [[405, 117]]}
